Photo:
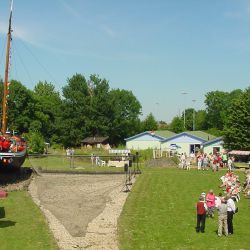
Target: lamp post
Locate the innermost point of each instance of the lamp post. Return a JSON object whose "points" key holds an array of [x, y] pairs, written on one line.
{"points": [[193, 116], [184, 113]]}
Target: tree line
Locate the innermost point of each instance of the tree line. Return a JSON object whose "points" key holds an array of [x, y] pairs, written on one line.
{"points": [[227, 114], [89, 107]]}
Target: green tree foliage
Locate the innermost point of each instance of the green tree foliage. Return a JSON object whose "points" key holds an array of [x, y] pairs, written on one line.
{"points": [[149, 123], [177, 125], [188, 118], [75, 106], [124, 113], [90, 108], [200, 120], [237, 132], [21, 107], [47, 111], [218, 104], [163, 125], [35, 142]]}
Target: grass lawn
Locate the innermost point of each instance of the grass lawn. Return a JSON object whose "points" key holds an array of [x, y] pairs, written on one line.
{"points": [[160, 213], [23, 227], [62, 163]]}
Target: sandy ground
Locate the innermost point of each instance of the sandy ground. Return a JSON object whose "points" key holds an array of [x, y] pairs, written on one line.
{"points": [[82, 210]]}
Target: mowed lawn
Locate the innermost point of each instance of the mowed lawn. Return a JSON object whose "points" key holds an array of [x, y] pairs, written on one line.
{"points": [[160, 213], [23, 227]]}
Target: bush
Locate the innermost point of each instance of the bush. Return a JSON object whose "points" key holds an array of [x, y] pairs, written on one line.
{"points": [[36, 143]]}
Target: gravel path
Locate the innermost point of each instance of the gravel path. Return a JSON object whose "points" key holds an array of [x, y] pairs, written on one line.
{"points": [[82, 210]]}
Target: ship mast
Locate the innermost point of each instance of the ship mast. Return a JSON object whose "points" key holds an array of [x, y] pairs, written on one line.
{"points": [[6, 76]]}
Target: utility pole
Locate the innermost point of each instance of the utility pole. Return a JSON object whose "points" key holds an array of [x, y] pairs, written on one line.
{"points": [[184, 113], [194, 116]]}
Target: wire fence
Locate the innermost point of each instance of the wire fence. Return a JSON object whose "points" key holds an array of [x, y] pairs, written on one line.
{"points": [[89, 163]]}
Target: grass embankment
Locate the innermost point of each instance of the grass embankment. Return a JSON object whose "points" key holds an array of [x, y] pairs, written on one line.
{"points": [[23, 227], [160, 213]]}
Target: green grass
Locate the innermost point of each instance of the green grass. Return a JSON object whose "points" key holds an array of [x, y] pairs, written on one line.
{"points": [[62, 163], [160, 213], [23, 227]]}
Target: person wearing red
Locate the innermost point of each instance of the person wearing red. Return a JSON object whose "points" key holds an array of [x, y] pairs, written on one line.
{"points": [[201, 208], [210, 201]]}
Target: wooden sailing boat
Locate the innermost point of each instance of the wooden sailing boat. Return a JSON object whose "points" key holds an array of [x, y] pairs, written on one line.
{"points": [[12, 147]]}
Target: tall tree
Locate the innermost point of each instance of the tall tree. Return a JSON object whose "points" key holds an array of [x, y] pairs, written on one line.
{"points": [[21, 107], [237, 132], [218, 104], [75, 109], [47, 111], [149, 123], [124, 114], [177, 125]]}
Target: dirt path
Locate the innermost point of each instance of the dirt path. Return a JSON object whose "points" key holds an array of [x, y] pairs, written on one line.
{"points": [[82, 210]]}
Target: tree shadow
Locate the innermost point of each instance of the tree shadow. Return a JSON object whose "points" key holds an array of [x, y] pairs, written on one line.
{"points": [[7, 223]]}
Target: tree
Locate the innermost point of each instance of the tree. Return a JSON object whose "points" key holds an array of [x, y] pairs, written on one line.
{"points": [[163, 125], [188, 118], [36, 142], [149, 123], [21, 107], [176, 125], [124, 114], [47, 111], [237, 132], [218, 104], [75, 106]]}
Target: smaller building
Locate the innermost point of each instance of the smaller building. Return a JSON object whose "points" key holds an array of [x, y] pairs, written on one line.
{"points": [[213, 146], [96, 142], [147, 140], [186, 142]]}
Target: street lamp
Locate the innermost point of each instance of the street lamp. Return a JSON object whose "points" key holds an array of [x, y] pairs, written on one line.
{"points": [[184, 115], [193, 116]]}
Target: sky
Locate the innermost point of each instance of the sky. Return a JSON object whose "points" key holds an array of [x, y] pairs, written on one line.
{"points": [[157, 49]]}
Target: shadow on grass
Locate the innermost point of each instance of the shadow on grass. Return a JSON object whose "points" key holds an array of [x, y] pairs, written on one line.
{"points": [[7, 223]]}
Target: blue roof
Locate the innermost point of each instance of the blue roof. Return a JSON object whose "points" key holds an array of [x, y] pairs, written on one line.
{"points": [[144, 133], [213, 141], [187, 134]]}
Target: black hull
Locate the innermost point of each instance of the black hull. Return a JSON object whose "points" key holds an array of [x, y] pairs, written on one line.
{"points": [[11, 161]]}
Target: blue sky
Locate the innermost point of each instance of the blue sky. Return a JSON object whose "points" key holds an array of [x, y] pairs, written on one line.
{"points": [[158, 49]]}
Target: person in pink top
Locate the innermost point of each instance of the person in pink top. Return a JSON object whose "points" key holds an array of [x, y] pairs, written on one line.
{"points": [[210, 201]]}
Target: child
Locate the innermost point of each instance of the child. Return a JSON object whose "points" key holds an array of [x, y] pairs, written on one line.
{"points": [[201, 215]]}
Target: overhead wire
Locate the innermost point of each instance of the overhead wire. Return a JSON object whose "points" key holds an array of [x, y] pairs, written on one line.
{"points": [[22, 62], [38, 61]]}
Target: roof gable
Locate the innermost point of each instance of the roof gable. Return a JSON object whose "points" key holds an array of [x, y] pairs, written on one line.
{"points": [[216, 140], [146, 134], [185, 134]]}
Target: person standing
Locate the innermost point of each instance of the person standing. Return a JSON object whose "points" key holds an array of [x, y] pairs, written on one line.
{"points": [[210, 201], [230, 213], [201, 215], [222, 218]]}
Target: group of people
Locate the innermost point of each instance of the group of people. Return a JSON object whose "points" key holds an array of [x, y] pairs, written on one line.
{"points": [[214, 161], [207, 161], [224, 204], [246, 184]]}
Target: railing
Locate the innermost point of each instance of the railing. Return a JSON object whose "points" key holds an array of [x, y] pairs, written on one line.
{"points": [[85, 163]]}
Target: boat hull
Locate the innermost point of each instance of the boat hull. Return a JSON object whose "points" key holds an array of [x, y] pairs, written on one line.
{"points": [[11, 160]]}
